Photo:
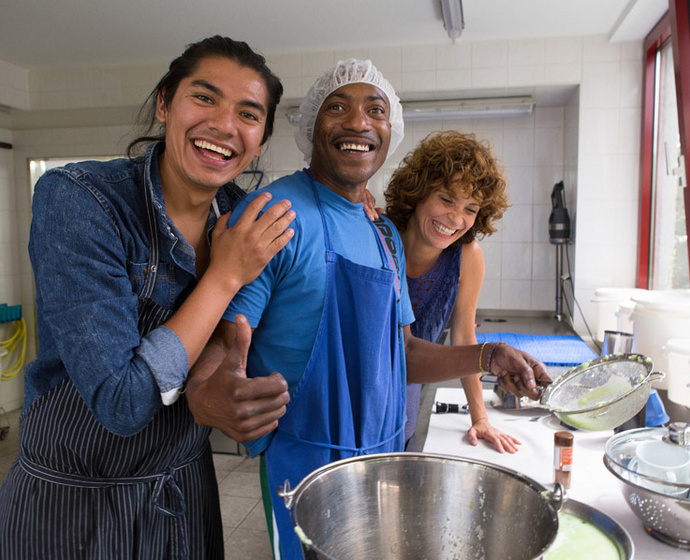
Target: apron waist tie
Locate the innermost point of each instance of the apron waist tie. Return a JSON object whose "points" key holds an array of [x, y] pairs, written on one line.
{"points": [[165, 484], [356, 451]]}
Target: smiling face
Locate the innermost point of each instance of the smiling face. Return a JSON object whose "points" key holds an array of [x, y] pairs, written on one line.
{"points": [[444, 217], [351, 139], [213, 125]]}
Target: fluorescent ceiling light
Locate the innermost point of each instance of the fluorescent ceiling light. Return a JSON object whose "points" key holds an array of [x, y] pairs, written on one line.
{"points": [[453, 17], [496, 107], [477, 108]]}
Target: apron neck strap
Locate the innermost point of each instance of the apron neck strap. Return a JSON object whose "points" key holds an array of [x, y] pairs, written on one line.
{"points": [[384, 252], [327, 237]]}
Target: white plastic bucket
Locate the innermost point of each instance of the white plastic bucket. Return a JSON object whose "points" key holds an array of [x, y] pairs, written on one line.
{"points": [[608, 301], [624, 316], [678, 353], [659, 316]]}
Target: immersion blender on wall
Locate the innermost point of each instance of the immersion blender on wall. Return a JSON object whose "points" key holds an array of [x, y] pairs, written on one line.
{"points": [[559, 235]]}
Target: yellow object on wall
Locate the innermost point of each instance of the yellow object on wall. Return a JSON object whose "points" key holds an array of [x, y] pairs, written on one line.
{"points": [[16, 341]]}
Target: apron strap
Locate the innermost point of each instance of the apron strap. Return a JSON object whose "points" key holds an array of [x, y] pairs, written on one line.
{"points": [[327, 237], [151, 314], [152, 267], [356, 451], [380, 225], [386, 256], [80, 481]]}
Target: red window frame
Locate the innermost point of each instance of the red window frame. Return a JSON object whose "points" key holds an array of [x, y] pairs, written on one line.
{"points": [[676, 25]]}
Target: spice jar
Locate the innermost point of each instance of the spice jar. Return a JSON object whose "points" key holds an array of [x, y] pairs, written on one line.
{"points": [[563, 457]]}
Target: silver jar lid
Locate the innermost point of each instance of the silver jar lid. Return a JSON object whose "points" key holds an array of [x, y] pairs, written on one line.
{"points": [[679, 433]]}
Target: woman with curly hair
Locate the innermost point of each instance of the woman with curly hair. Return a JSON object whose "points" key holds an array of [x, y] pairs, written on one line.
{"points": [[445, 195]]}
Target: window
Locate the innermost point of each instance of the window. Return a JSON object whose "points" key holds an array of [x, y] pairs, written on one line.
{"points": [[669, 255], [663, 262]]}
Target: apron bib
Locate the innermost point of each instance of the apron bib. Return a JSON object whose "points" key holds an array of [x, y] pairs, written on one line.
{"points": [[350, 400]]}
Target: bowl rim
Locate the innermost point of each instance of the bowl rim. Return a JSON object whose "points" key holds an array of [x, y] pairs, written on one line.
{"points": [[612, 466], [417, 456], [291, 496], [628, 434]]}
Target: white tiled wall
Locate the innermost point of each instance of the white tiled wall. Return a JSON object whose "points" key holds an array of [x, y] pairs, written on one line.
{"points": [[14, 86], [591, 143], [532, 151], [16, 279]]}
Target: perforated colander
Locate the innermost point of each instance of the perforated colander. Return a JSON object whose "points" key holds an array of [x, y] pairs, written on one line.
{"points": [[602, 394]]}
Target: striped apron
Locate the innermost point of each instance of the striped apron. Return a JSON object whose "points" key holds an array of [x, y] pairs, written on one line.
{"points": [[78, 491]]}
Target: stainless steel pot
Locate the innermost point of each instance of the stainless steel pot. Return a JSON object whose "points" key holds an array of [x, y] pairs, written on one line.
{"points": [[407, 506]]}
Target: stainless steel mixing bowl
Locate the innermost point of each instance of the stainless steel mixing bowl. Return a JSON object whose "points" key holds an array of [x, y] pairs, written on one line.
{"points": [[405, 506]]}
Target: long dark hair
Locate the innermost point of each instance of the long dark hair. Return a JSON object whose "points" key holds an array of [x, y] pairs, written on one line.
{"points": [[185, 64]]}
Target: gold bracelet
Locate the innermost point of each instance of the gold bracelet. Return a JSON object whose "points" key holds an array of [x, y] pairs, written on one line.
{"points": [[481, 351], [491, 355]]}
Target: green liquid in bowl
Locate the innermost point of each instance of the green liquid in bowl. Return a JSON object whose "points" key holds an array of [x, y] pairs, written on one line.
{"points": [[578, 539]]}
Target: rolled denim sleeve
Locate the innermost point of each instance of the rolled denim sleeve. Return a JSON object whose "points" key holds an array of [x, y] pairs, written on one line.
{"points": [[167, 359], [87, 308]]}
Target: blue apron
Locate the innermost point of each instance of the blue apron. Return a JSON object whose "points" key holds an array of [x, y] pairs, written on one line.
{"points": [[351, 398]]}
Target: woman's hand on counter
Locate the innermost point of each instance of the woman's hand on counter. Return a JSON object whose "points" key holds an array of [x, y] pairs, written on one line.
{"points": [[501, 441]]}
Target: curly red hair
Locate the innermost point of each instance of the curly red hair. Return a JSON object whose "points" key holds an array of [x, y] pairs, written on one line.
{"points": [[435, 165]]}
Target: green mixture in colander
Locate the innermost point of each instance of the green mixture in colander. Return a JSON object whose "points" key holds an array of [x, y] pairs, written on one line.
{"points": [[599, 396]]}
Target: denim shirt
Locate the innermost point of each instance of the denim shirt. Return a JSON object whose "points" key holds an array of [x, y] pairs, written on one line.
{"points": [[89, 251]]}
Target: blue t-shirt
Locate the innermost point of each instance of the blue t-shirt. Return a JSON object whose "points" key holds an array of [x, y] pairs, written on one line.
{"points": [[284, 304]]}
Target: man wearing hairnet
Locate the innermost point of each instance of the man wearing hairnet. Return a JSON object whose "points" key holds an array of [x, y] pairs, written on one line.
{"points": [[331, 311]]}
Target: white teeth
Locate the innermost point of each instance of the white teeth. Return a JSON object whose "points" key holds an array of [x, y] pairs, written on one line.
{"points": [[444, 230], [203, 144], [355, 147]]}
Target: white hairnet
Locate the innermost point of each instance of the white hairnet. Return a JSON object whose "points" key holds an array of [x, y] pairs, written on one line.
{"points": [[346, 72]]}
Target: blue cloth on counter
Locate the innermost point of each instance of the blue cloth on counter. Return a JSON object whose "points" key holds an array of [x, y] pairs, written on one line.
{"points": [[655, 412], [553, 350]]}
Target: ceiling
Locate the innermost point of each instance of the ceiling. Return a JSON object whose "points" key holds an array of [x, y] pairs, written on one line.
{"points": [[37, 34]]}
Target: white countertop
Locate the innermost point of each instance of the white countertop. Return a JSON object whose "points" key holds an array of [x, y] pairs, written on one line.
{"points": [[591, 482]]}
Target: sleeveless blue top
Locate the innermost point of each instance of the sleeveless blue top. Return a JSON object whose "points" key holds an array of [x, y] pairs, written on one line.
{"points": [[433, 297]]}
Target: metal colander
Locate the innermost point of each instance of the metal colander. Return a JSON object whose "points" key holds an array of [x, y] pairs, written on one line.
{"points": [[603, 393], [662, 506]]}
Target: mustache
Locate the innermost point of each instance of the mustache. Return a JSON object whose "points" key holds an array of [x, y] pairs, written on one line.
{"points": [[366, 138]]}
